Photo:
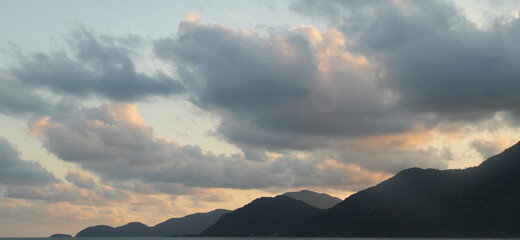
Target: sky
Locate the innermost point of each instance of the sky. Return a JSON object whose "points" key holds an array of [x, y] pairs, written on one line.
{"points": [[120, 111]]}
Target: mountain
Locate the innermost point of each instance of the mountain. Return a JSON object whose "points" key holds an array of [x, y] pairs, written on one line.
{"points": [[263, 217], [133, 229], [60, 235], [319, 200], [478, 202], [97, 231], [188, 225]]}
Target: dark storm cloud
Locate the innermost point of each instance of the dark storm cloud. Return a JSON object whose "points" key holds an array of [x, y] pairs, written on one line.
{"points": [[433, 58], [102, 66], [270, 92], [15, 171]]}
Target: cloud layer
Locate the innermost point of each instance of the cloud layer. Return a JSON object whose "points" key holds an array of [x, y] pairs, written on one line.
{"points": [[384, 69], [296, 89], [16, 171], [100, 66], [431, 56], [113, 141]]}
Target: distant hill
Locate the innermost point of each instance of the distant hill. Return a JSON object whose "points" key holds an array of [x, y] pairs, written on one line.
{"points": [[60, 235], [319, 200], [97, 231], [263, 217], [476, 202], [188, 225], [133, 229]]}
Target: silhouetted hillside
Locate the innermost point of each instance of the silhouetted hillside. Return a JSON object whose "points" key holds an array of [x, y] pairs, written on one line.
{"points": [[319, 200], [134, 229], [60, 235], [476, 202], [188, 225], [97, 231], [263, 217]]}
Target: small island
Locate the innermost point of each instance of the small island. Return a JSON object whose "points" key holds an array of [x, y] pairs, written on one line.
{"points": [[60, 235]]}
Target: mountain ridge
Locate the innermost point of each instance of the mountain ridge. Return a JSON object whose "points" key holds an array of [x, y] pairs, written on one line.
{"points": [[264, 216], [474, 202], [319, 200], [192, 224]]}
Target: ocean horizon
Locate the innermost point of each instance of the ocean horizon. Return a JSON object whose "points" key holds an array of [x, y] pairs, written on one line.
{"points": [[223, 238]]}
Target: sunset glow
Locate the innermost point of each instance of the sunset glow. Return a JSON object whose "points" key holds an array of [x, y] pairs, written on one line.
{"points": [[114, 112]]}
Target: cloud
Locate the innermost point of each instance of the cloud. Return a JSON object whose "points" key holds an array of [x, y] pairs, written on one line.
{"points": [[101, 196], [375, 90], [80, 180], [394, 159], [431, 56], [192, 17], [102, 66], [17, 99], [113, 142], [487, 148], [15, 171], [46, 218], [50, 217], [295, 89]]}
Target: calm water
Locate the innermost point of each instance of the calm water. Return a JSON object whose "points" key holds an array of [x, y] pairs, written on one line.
{"points": [[217, 238]]}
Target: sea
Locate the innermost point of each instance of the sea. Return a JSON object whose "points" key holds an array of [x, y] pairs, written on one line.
{"points": [[229, 238]]}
